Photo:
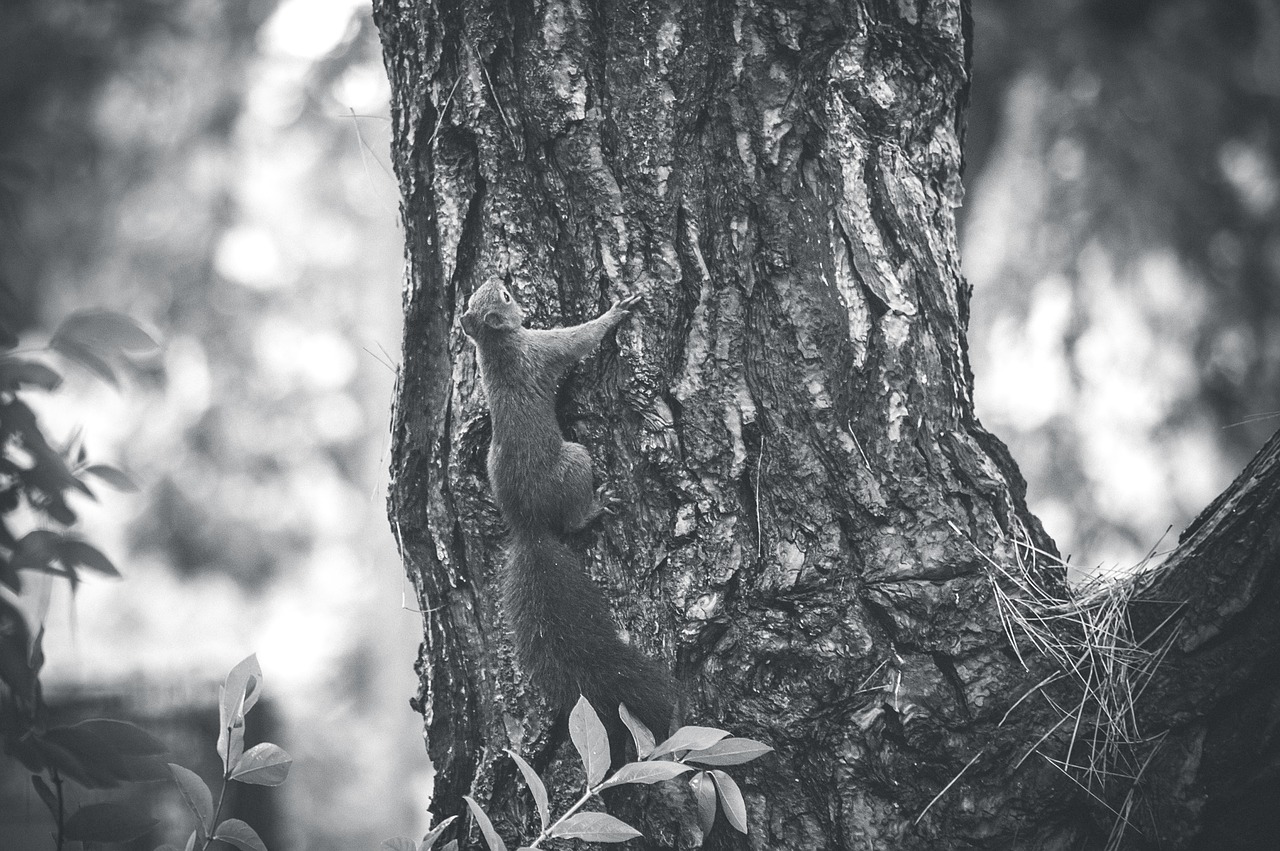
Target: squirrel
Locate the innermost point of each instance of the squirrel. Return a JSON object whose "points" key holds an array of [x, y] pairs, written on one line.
{"points": [[564, 635]]}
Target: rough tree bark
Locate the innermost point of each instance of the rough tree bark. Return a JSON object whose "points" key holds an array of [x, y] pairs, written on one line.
{"points": [[813, 529]]}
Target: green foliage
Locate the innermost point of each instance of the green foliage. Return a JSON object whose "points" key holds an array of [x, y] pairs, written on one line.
{"points": [[36, 479], [35, 474], [264, 764], [685, 751], [103, 753], [99, 753]]}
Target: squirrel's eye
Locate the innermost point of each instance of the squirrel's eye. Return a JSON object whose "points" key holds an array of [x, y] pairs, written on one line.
{"points": [[506, 296]]}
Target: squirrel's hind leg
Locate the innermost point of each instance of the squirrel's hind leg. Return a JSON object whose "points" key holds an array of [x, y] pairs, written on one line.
{"points": [[580, 506]]}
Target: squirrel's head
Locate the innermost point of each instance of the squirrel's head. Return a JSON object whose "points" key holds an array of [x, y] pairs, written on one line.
{"points": [[491, 308]]}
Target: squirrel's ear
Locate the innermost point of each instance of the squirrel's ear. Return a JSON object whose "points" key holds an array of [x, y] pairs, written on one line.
{"points": [[494, 319]]}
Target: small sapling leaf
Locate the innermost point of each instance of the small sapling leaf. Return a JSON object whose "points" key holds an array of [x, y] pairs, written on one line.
{"points": [[242, 687], [594, 827], [434, 833], [730, 751], [640, 734], [735, 808], [451, 845], [231, 743], [399, 843], [263, 765], [196, 795], [491, 837], [649, 771], [536, 788], [689, 739], [239, 693], [191, 841], [108, 822], [238, 833], [705, 793], [591, 739]]}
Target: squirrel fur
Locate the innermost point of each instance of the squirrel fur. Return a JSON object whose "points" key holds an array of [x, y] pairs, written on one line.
{"points": [[564, 635]]}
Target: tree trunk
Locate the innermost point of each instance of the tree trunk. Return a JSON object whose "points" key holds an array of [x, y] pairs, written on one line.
{"points": [[812, 528]]}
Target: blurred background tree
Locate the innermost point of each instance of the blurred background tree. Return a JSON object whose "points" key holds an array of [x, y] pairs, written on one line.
{"points": [[1122, 236], [217, 170]]}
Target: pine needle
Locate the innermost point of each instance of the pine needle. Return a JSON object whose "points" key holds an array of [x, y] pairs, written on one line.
{"points": [[949, 785]]}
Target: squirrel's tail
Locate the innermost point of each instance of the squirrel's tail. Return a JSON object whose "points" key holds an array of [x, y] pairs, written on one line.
{"points": [[567, 642]]}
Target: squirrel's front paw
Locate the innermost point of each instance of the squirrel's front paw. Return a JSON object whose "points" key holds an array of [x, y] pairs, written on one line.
{"points": [[606, 500], [628, 303]]}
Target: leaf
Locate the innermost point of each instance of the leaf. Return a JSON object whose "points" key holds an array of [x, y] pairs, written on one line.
{"points": [[87, 358], [239, 693], [57, 508], [704, 791], [263, 765], [591, 740], [16, 668], [107, 751], [9, 574], [191, 842], [594, 827], [128, 739], [730, 751], [104, 331], [146, 769], [36, 654], [118, 479], [196, 794], [237, 833], [689, 739], [108, 823], [735, 808], [36, 550], [434, 834], [243, 681], [491, 837], [232, 739], [399, 843], [536, 788], [649, 771], [8, 338], [451, 845], [82, 756], [15, 372], [641, 734], [46, 794], [72, 552]]}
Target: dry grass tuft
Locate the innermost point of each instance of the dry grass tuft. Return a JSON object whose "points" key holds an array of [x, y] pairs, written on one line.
{"points": [[1086, 635]]}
